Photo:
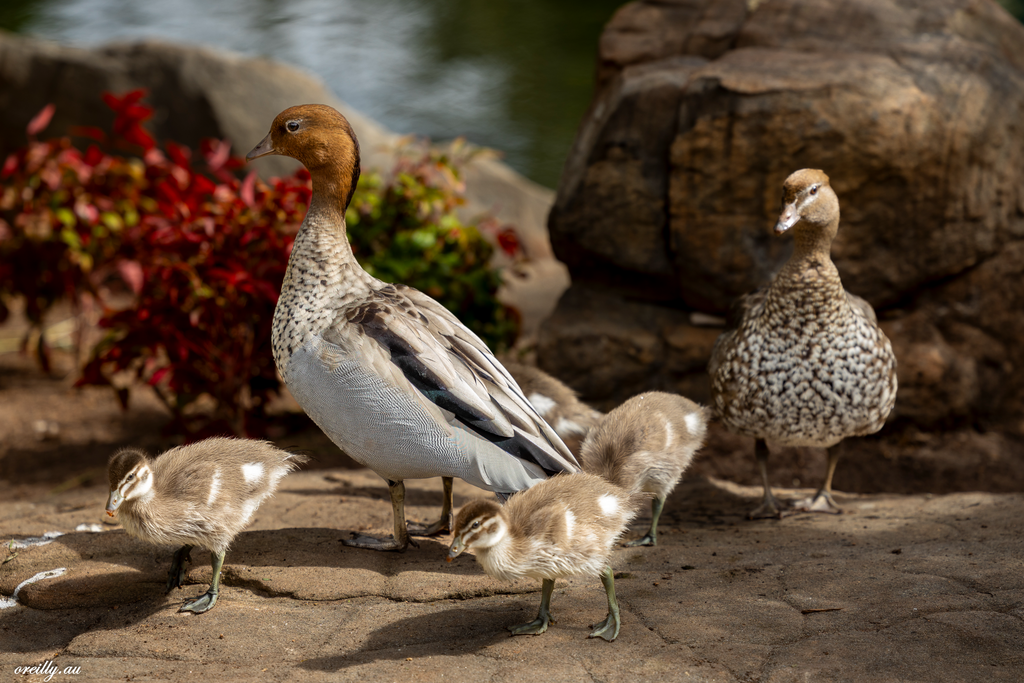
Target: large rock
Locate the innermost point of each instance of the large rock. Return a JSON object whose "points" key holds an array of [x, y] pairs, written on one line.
{"points": [[704, 107]]}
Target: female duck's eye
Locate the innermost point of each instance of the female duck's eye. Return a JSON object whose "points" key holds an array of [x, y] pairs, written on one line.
{"points": [[292, 126], [814, 189]]}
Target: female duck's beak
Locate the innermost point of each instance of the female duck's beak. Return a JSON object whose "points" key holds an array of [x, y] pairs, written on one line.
{"points": [[113, 502], [457, 547], [790, 216], [265, 147]]}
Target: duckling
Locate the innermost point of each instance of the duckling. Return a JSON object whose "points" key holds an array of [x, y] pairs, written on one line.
{"points": [[559, 405], [803, 362], [564, 526], [390, 375], [646, 444], [202, 494]]}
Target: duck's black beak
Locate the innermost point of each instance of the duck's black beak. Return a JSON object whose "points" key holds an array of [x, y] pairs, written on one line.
{"points": [[265, 147]]}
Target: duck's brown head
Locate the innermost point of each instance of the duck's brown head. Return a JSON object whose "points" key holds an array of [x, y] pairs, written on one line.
{"points": [[322, 139], [807, 197]]}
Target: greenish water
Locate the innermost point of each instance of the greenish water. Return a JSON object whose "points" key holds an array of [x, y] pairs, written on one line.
{"points": [[513, 75]]}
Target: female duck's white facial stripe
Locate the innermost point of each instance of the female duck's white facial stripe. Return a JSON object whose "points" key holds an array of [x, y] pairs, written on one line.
{"points": [[609, 504], [541, 403], [214, 488], [692, 422], [252, 472]]}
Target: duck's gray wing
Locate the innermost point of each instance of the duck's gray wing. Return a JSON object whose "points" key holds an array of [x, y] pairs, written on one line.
{"points": [[408, 339]]}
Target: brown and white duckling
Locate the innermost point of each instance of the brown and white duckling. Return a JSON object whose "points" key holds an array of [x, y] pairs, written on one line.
{"points": [[564, 526], [202, 494], [559, 405], [646, 444], [804, 362], [389, 374]]}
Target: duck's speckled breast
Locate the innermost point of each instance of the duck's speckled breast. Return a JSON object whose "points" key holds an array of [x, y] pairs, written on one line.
{"points": [[806, 370]]}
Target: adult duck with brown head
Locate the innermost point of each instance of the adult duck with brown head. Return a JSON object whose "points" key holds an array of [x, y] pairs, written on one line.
{"points": [[389, 374]]}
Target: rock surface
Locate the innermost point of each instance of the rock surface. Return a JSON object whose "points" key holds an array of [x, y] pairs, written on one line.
{"points": [[705, 106], [900, 588]]}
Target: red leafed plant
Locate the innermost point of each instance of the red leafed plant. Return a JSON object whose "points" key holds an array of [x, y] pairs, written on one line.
{"points": [[204, 254]]}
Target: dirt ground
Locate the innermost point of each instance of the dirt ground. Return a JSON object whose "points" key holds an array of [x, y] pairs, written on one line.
{"points": [[915, 587]]}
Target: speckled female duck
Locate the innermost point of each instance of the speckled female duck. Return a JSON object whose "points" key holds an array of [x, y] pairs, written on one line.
{"points": [[389, 374], [804, 362]]}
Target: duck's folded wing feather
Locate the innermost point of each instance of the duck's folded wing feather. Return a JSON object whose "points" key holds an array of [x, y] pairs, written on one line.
{"points": [[415, 339]]}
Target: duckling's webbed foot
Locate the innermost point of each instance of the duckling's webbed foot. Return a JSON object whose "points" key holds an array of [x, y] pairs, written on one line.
{"points": [[177, 574], [400, 541], [447, 520], [540, 624], [651, 537], [609, 628], [206, 601]]}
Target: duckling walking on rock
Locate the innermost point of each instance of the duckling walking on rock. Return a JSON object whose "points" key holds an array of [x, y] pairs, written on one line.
{"points": [[646, 444], [390, 375], [202, 494], [805, 363], [565, 526]]}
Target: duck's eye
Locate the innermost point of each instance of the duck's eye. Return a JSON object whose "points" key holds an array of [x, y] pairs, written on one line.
{"points": [[814, 189], [292, 126], [475, 525], [130, 477]]}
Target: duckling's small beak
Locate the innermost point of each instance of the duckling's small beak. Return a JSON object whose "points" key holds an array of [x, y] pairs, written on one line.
{"points": [[113, 502], [265, 147], [458, 545], [787, 220]]}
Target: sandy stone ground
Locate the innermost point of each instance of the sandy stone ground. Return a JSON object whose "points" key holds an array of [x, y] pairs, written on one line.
{"points": [[899, 588]]}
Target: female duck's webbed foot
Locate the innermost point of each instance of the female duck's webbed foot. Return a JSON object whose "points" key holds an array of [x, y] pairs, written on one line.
{"points": [[400, 541], [822, 500], [609, 628], [206, 601], [443, 525], [769, 507], [540, 624], [176, 575]]}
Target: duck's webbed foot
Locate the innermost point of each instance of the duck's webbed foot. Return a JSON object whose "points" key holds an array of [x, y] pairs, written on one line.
{"points": [[204, 603], [609, 628], [646, 539], [373, 543], [768, 509], [821, 501], [176, 575], [445, 523], [540, 624], [400, 541]]}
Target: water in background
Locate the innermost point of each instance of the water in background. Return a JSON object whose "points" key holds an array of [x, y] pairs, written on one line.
{"points": [[515, 75]]}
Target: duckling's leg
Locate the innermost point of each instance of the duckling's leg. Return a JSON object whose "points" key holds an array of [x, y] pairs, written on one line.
{"points": [[769, 506], [400, 541], [206, 601], [822, 500], [609, 628], [652, 534], [442, 525], [540, 624], [177, 573]]}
